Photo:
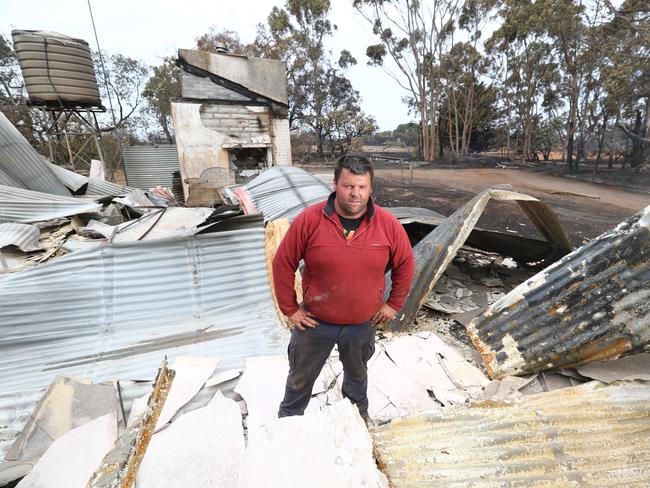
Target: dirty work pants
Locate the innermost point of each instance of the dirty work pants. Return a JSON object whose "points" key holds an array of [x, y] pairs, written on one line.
{"points": [[309, 349]]}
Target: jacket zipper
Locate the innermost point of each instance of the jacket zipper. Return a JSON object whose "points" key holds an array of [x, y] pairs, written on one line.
{"points": [[342, 232]]}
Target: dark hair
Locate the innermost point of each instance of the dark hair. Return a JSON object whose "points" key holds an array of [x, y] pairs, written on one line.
{"points": [[355, 163]]}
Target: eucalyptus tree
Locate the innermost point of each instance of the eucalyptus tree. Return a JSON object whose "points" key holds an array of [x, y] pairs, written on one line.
{"points": [[414, 35]]}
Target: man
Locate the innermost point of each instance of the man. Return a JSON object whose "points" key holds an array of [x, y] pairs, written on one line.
{"points": [[347, 244]]}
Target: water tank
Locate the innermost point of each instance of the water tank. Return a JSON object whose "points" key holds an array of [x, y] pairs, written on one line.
{"points": [[58, 70]]}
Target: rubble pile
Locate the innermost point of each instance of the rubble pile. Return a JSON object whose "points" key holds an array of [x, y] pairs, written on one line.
{"points": [[102, 282]]}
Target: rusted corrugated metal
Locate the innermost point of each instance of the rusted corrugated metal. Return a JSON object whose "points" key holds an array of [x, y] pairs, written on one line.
{"points": [[592, 305], [590, 435], [434, 253]]}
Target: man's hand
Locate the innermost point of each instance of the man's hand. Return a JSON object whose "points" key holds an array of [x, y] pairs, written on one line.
{"points": [[303, 318], [384, 315]]}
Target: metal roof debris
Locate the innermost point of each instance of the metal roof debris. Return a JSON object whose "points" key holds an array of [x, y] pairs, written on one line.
{"points": [[150, 166], [110, 312], [592, 305], [83, 185], [434, 253], [21, 163], [282, 192], [17, 205], [23, 236], [156, 224], [119, 466], [590, 435], [419, 221]]}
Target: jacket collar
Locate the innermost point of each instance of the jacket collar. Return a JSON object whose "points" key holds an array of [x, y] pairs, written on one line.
{"points": [[329, 206]]}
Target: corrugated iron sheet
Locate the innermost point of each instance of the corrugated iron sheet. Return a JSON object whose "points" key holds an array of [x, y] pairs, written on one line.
{"points": [[150, 166], [592, 305], [7, 180], [94, 187], [17, 205], [524, 250], [113, 312], [157, 224], [22, 163], [590, 435], [434, 253], [285, 191], [23, 236]]}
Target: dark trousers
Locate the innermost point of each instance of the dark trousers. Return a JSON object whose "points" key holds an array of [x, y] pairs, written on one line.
{"points": [[308, 351]]}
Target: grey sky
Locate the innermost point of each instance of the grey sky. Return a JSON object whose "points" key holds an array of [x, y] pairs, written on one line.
{"points": [[150, 30]]}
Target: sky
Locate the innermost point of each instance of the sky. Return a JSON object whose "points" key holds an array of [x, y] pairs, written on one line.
{"points": [[150, 30]]}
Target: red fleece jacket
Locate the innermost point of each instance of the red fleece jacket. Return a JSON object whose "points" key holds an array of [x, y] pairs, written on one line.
{"points": [[343, 280]]}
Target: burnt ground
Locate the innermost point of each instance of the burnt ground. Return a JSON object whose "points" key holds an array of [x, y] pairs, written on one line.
{"points": [[585, 209]]}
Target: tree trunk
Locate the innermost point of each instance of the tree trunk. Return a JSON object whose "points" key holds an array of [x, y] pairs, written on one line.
{"points": [[571, 123], [601, 142]]}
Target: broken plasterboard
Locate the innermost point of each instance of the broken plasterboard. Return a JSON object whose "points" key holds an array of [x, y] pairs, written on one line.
{"points": [[322, 449], [202, 448], [72, 458], [66, 404]]}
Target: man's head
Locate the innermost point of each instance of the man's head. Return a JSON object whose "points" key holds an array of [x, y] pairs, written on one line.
{"points": [[353, 185]]}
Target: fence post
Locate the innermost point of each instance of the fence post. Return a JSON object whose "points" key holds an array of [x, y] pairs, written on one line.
{"points": [[411, 170]]}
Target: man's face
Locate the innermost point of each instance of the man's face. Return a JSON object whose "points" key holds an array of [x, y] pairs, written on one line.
{"points": [[352, 193]]}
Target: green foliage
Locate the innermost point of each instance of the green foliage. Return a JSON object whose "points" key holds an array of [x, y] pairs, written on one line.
{"points": [[162, 86]]}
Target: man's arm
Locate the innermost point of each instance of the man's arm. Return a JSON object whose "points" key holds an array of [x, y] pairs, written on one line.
{"points": [[285, 264], [403, 265]]}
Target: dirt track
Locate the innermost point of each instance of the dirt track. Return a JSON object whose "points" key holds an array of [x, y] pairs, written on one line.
{"points": [[444, 190]]}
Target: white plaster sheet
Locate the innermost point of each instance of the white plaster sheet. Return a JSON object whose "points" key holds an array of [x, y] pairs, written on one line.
{"points": [[391, 393], [262, 387], [202, 448], [329, 448], [73, 458], [191, 375]]}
